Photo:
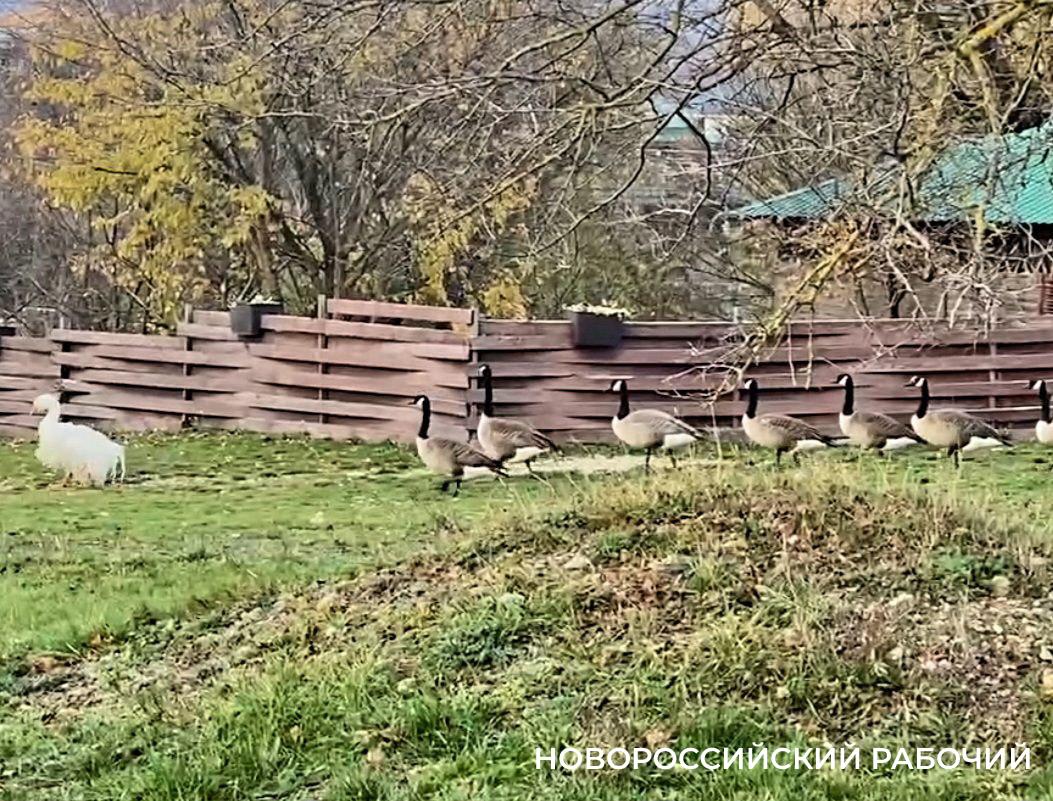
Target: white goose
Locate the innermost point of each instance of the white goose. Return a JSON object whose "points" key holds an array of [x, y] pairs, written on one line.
{"points": [[77, 451]]}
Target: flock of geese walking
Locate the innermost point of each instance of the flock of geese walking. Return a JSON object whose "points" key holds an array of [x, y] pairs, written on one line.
{"points": [[504, 440], [79, 452]]}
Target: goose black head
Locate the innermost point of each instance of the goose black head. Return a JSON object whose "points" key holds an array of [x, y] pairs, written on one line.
{"points": [[844, 379], [750, 383], [1036, 383], [484, 370], [618, 385], [419, 401], [917, 381]]}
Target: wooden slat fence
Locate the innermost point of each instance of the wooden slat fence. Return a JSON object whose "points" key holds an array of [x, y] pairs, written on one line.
{"points": [[540, 376], [350, 372]]}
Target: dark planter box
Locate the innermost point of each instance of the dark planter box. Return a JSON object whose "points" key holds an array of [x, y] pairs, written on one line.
{"points": [[595, 330], [245, 318]]}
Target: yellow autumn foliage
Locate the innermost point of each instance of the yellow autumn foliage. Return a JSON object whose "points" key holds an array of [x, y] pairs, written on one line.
{"points": [[128, 151], [446, 235]]}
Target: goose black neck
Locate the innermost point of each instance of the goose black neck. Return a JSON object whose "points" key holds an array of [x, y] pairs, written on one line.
{"points": [[623, 401], [850, 397], [1043, 395], [488, 394], [425, 418], [751, 401], [923, 402]]}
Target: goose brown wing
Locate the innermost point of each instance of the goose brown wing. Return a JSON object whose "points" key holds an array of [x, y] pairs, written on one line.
{"points": [[466, 455], [663, 423], [969, 425], [520, 434], [798, 429], [885, 426]]}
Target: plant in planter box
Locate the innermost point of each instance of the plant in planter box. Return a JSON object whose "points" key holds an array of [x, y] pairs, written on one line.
{"points": [[245, 318], [596, 326]]}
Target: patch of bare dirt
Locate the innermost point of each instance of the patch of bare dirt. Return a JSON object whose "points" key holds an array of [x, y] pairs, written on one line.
{"points": [[987, 655]]}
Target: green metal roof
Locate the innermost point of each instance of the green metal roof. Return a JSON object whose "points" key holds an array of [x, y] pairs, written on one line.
{"points": [[1011, 176]]}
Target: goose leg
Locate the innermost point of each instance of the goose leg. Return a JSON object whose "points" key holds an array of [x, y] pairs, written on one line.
{"points": [[444, 486], [778, 457], [672, 458], [456, 487], [953, 453], [647, 462]]}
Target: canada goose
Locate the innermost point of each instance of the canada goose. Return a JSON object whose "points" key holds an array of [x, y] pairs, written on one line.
{"points": [[504, 439], [952, 429], [779, 431], [1044, 426], [871, 429], [649, 428], [444, 456]]}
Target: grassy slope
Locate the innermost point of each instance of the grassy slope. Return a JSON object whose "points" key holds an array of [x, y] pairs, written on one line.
{"points": [[203, 517], [841, 601]]}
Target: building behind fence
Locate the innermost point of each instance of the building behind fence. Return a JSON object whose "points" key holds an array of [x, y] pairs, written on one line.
{"points": [[350, 372]]}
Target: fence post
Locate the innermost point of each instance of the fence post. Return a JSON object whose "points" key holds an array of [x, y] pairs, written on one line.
{"points": [[322, 342], [188, 345], [474, 330], [992, 374], [63, 368]]}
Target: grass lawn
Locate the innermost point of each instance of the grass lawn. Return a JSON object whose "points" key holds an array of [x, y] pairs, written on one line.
{"points": [[279, 618]]}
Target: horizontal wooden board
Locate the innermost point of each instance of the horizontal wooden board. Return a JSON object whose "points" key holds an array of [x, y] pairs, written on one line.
{"points": [[9, 382], [211, 332], [392, 357], [33, 369], [138, 341], [82, 408], [401, 413], [10, 431], [934, 363], [233, 382], [88, 355], [27, 344], [355, 330], [13, 406], [363, 431], [403, 311], [494, 342], [116, 399], [216, 318], [405, 385]]}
